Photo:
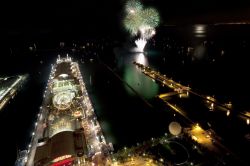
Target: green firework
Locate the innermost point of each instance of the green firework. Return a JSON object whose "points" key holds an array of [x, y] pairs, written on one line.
{"points": [[133, 6], [150, 17], [133, 23]]}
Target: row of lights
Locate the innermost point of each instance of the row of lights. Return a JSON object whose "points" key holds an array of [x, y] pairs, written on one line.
{"points": [[90, 105], [75, 67], [228, 111]]}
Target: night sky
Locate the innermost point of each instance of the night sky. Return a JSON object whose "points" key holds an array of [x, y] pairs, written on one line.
{"points": [[28, 20], [104, 16]]}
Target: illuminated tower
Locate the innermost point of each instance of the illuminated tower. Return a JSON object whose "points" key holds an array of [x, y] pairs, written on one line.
{"points": [[67, 131]]}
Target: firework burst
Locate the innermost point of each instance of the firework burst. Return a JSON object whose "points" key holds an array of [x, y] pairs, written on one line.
{"points": [[140, 21], [150, 17], [133, 6], [133, 23]]}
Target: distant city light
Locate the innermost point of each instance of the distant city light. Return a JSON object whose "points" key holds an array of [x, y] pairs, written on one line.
{"points": [[200, 30]]}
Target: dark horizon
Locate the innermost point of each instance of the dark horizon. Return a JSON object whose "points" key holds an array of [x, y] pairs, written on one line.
{"points": [[104, 17]]}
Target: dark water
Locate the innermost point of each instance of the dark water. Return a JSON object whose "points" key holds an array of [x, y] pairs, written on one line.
{"points": [[217, 63], [124, 99], [125, 115], [212, 60]]}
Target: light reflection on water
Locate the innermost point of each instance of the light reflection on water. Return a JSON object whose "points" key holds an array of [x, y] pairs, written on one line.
{"points": [[144, 86], [141, 84], [141, 58]]}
